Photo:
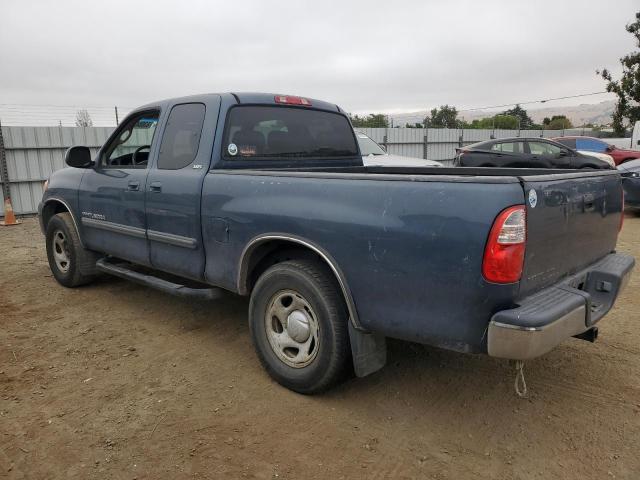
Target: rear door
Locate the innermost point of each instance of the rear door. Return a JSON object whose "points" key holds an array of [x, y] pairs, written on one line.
{"points": [[174, 187], [572, 220], [512, 154], [544, 154]]}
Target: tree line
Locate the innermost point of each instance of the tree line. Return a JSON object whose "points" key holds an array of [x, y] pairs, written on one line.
{"points": [[446, 116]]}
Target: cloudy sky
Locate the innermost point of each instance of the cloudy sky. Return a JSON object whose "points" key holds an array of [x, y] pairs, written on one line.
{"points": [[365, 56]]}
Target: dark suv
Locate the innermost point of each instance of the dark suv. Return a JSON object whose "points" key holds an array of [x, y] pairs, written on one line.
{"points": [[524, 153]]}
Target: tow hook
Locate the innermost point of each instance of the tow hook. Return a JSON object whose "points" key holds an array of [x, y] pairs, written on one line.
{"points": [[590, 335]]}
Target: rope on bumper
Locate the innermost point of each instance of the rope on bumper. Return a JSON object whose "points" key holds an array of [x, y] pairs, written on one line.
{"points": [[520, 383]]}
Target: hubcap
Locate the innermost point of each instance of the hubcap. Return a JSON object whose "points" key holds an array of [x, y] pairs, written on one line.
{"points": [[292, 328], [61, 251]]}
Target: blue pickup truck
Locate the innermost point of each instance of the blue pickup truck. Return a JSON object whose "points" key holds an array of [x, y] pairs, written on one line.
{"points": [[266, 196]]}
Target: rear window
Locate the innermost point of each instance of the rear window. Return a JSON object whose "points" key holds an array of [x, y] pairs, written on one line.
{"points": [[255, 132], [591, 145]]}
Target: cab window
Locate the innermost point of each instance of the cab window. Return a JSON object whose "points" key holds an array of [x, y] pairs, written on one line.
{"points": [[130, 148], [508, 147]]}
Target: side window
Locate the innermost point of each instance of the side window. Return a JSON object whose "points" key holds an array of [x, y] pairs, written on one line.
{"points": [[591, 145], [130, 149], [508, 147], [181, 136], [546, 149]]}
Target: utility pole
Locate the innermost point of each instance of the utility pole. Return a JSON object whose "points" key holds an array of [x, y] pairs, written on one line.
{"points": [[116, 110]]}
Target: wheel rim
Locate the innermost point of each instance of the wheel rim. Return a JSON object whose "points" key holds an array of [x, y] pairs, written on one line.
{"points": [[292, 328], [61, 251]]}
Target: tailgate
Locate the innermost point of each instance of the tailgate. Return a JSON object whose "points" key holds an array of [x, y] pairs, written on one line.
{"points": [[572, 221]]}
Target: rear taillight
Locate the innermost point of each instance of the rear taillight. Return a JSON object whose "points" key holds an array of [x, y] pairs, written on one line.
{"points": [[504, 253]]}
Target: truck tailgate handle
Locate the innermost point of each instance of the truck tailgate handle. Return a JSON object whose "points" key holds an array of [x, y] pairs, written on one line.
{"points": [[134, 186], [155, 187]]}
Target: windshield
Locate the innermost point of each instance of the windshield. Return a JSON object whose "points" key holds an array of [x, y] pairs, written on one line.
{"points": [[368, 146], [268, 132]]}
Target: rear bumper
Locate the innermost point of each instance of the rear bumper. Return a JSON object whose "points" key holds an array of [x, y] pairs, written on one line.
{"points": [[564, 310]]}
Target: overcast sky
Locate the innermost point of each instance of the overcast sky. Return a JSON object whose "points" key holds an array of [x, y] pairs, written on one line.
{"points": [[365, 56]]}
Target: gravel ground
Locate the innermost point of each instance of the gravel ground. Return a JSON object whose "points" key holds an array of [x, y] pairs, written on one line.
{"points": [[117, 381]]}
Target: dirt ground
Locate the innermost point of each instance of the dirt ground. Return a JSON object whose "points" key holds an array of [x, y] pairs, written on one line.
{"points": [[117, 381]]}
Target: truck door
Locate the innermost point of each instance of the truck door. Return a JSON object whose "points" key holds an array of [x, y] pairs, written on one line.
{"points": [[111, 194], [174, 188]]}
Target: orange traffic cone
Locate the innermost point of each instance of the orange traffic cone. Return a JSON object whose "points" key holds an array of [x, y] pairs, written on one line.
{"points": [[9, 216]]}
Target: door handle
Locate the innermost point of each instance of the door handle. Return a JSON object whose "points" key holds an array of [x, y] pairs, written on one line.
{"points": [[133, 186], [155, 187]]}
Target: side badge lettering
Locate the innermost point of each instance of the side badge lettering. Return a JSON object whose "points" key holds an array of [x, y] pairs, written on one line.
{"points": [[533, 198]]}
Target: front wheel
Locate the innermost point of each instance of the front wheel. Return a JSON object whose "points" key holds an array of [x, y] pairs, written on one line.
{"points": [[71, 264], [299, 325]]}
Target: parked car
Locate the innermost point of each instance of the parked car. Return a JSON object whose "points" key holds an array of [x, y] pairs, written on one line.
{"points": [[598, 145], [630, 173], [374, 155], [524, 153], [266, 196]]}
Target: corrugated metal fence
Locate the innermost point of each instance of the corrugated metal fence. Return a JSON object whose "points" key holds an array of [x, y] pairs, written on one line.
{"points": [[32, 153]]}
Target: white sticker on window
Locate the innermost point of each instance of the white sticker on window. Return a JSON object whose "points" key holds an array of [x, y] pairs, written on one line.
{"points": [[232, 149]]}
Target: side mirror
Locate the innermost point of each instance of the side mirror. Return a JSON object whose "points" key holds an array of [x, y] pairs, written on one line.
{"points": [[78, 157], [563, 153]]}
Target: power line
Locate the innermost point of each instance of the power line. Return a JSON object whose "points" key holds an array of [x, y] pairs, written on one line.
{"points": [[528, 102]]}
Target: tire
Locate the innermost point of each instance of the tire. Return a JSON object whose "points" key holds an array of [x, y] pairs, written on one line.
{"points": [[70, 263], [286, 297]]}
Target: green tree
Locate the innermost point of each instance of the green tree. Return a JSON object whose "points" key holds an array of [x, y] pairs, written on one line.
{"points": [[558, 122], [484, 123], [373, 120], [506, 122], [444, 117], [627, 88], [520, 113]]}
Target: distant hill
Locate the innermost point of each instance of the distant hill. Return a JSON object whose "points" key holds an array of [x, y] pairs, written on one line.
{"points": [[596, 113]]}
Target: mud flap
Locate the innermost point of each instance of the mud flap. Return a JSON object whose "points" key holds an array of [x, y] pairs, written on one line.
{"points": [[369, 351]]}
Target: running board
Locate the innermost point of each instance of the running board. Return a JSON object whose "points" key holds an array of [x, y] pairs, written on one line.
{"points": [[121, 270]]}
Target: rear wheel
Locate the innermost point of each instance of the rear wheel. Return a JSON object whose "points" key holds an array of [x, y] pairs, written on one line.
{"points": [[298, 321], [71, 264]]}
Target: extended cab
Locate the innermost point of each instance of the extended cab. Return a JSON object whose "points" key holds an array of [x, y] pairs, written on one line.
{"points": [[266, 196]]}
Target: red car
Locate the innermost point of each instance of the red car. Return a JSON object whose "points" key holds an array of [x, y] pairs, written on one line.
{"points": [[619, 155]]}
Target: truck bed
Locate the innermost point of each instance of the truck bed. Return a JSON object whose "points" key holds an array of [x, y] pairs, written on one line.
{"points": [[411, 253]]}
